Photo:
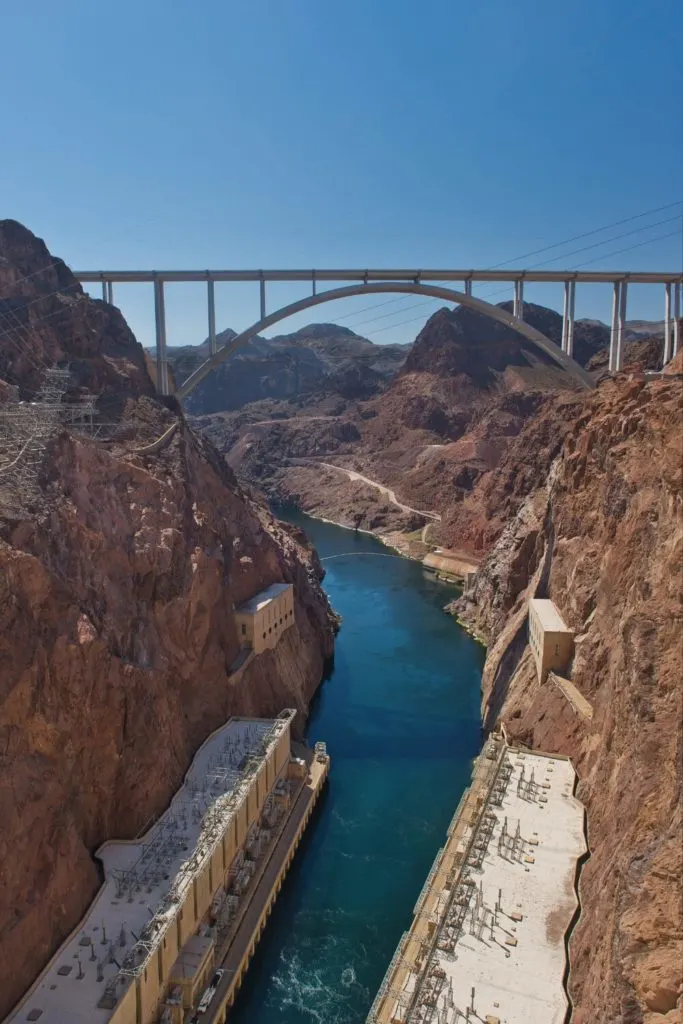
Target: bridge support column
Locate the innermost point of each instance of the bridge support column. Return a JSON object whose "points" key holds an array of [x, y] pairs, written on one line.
{"points": [[104, 291], [468, 286], [569, 340], [160, 318], [623, 289], [667, 324], [565, 317], [678, 287], [616, 300], [211, 300], [518, 304], [263, 298], [110, 292]]}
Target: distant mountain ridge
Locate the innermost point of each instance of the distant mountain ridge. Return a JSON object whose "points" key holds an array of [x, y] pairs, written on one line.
{"points": [[319, 359]]}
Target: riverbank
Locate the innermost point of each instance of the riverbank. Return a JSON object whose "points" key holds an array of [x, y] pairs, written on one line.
{"points": [[448, 565]]}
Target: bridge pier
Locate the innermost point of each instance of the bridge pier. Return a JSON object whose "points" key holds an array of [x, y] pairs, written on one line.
{"points": [[667, 324], [614, 331], [212, 315], [263, 298], [569, 341], [518, 304], [678, 288], [621, 325], [568, 318], [468, 285], [160, 319]]}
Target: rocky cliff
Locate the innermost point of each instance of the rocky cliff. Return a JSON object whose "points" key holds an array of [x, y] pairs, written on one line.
{"points": [[602, 535], [119, 576]]}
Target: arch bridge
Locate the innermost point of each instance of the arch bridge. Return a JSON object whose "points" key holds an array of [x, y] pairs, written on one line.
{"points": [[415, 282]]}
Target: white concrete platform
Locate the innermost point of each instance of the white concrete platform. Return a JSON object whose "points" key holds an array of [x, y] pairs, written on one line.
{"points": [[509, 947], [138, 878]]}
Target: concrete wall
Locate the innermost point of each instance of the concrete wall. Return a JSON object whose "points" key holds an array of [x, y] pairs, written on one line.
{"points": [[149, 992], [169, 949], [557, 652], [204, 892], [187, 922], [125, 1012], [282, 752]]}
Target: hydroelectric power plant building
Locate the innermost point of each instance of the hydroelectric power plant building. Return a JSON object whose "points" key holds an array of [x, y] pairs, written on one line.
{"points": [[171, 932]]}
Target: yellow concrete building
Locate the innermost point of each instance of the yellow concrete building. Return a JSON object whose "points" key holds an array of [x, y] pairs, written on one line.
{"points": [[192, 894], [551, 641], [262, 620]]}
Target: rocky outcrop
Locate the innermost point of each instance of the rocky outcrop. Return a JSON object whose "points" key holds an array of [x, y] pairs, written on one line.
{"points": [[603, 537], [118, 583], [46, 318], [318, 361]]}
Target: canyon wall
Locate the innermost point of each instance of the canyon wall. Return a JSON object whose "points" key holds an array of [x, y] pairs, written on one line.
{"points": [[119, 576], [602, 535]]}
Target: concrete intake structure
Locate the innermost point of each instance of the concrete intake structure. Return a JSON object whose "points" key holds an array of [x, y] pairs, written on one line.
{"points": [[550, 639], [171, 932], [487, 942], [262, 620]]}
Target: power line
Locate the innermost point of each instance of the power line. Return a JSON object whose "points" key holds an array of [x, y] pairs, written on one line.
{"points": [[605, 256], [587, 234], [547, 248]]}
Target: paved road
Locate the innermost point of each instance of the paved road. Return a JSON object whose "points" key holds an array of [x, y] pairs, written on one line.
{"points": [[385, 491]]}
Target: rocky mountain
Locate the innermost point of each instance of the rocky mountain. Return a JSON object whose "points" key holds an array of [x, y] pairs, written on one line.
{"points": [[316, 362], [593, 521], [446, 418], [122, 557]]}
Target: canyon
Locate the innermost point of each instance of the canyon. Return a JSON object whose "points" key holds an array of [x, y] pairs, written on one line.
{"points": [[122, 558], [554, 492], [445, 420], [125, 550]]}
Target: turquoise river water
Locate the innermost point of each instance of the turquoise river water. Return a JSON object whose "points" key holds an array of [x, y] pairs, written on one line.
{"points": [[400, 715]]}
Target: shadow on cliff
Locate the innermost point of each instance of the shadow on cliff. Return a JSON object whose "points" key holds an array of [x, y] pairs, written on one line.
{"points": [[512, 655]]}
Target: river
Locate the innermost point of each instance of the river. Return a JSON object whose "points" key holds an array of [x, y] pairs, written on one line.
{"points": [[400, 716]]}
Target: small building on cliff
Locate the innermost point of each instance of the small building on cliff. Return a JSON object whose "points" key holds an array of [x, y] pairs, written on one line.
{"points": [[551, 640], [262, 619]]}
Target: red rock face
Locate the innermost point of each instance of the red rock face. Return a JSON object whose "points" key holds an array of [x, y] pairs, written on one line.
{"points": [[467, 388], [46, 318], [117, 593], [603, 538]]}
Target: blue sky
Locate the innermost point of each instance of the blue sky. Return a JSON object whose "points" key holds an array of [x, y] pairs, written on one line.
{"points": [[285, 133]]}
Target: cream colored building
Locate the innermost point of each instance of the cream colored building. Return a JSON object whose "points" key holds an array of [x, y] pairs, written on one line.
{"points": [[152, 939], [551, 641], [262, 620]]}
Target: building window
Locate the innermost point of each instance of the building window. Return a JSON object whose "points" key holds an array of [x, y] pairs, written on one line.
{"points": [[264, 636], [244, 630], [557, 650]]}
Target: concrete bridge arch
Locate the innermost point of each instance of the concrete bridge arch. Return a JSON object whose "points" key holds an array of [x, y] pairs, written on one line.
{"points": [[538, 339]]}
